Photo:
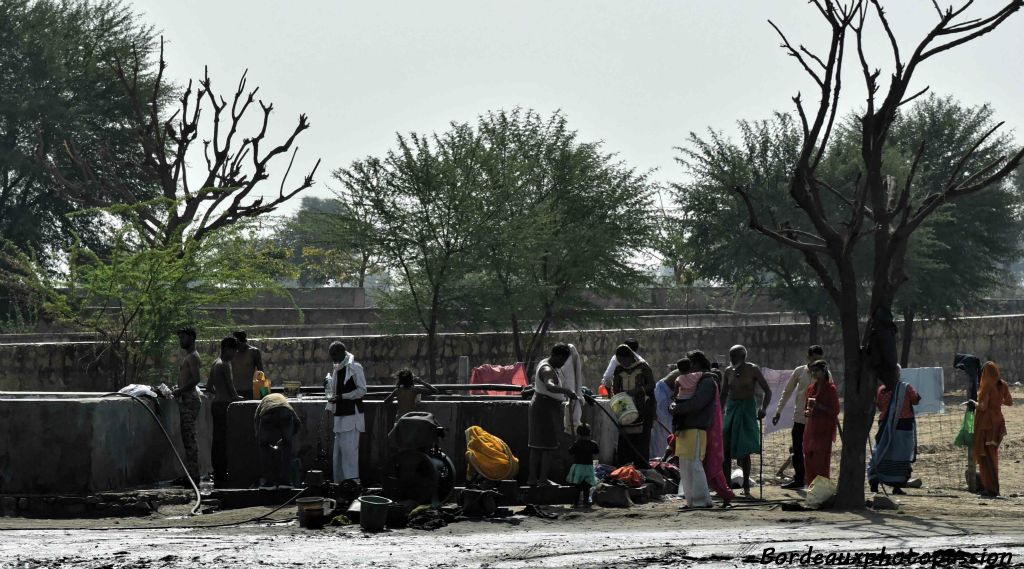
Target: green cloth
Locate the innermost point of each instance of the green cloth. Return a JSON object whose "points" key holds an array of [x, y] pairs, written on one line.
{"points": [[740, 427]]}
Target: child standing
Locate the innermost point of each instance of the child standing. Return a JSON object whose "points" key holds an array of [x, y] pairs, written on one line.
{"points": [[408, 390], [581, 474]]}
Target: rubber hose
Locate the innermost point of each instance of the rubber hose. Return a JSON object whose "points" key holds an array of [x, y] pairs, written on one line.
{"points": [[199, 498]]}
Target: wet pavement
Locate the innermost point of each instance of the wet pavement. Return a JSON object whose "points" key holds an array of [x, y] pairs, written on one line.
{"points": [[668, 539]]}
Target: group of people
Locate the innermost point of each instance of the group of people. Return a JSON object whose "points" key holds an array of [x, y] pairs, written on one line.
{"points": [[711, 416], [275, 422], [229, 380], [700, 415]]}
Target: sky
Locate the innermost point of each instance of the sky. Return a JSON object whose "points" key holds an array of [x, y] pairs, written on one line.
{"points": [[639, 75]]}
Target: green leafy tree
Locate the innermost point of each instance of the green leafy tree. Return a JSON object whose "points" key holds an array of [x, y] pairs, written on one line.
{"points": [[331, 242], [134, 297], [423, 201], [57, 85], [716, 242], [566, 221]]}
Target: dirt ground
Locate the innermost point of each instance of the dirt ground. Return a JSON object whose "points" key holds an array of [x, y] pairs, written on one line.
{"points": [[938, 516]]}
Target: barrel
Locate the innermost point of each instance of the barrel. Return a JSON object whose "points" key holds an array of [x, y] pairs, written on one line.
{"points": [[624, 409], [373, 512]]}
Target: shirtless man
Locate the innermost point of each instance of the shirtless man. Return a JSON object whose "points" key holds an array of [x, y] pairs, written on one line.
{"points": [[740, 428], [224, 393], [187, 394], [246, 362]]}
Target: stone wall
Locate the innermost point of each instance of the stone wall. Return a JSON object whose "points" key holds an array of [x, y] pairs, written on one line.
{"points": [[59, 367]]}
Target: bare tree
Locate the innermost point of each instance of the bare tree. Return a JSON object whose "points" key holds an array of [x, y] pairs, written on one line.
{"points": [[168, 206], [875, 206]]}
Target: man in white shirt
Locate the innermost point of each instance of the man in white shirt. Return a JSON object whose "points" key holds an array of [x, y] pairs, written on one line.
{"points": [[799, 382], [346, 388], [609, 373]]}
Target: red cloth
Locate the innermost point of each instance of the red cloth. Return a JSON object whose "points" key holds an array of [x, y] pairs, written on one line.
{"points": [[884, 396], [514, 374], [820, 432], [714, 456]]}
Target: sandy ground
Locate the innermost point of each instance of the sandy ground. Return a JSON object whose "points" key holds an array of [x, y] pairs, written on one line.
{"points": [[935, 517]]}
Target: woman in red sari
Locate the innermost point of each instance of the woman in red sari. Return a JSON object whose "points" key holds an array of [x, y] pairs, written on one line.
{"points": [[822, 421], [990, 427], [715, 454]]}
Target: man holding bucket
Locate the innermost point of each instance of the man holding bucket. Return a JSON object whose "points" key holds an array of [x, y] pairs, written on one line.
{"points": [[634, 407]]}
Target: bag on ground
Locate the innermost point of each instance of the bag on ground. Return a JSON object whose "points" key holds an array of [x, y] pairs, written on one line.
{"points": [[821, 491]]}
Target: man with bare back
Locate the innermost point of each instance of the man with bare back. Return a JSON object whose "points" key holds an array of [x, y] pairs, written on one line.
{"points": [[189, 402], [740, 428]]}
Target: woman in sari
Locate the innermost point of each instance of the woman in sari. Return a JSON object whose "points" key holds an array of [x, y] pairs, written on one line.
{"points": [[715, 455], [990, 427], [896, 440], [822, 414]]}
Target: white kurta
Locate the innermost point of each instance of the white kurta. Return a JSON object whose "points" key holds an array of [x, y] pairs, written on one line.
{"points": [[345, 455]]}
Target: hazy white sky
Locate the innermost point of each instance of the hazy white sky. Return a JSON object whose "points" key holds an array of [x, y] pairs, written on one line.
{"points": [[639, 75]]}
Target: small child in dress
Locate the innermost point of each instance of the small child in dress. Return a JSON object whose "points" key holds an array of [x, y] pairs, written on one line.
{"points": [[581, 474]]}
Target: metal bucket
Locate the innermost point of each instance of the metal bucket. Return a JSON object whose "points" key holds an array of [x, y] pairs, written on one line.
{"points": [[311, 511]]}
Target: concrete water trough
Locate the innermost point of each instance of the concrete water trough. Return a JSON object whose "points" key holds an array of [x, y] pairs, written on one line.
{"points": [[80, 443], [504, 417]]}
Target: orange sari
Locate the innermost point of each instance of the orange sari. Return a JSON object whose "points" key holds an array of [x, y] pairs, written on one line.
{"points": [[989, 426]]}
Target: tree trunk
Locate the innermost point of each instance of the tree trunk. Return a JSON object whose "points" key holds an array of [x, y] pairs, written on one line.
{"points": [[517, 340], [812, 319], [432, 342], [858, 401], [908, 335]]}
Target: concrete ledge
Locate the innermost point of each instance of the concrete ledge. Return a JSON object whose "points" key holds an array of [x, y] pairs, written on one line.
{"points": [[505, 419], [82, 445]]}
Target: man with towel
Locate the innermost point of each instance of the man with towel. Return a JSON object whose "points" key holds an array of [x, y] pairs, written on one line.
{"points": [[545, 418], [345, 390], [741, 428], [572, 379]]}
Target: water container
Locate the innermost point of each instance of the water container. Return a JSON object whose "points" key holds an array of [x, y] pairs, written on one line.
{"points": [[260, 385], [373, 512], [624, 409]]}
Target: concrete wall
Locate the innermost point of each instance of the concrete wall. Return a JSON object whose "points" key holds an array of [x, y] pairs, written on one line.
{"points": [[84, 444], [505, 419], [59, 367]]}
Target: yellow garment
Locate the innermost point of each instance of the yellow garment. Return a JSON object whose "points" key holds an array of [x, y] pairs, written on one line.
{"points": [[690, 442], [489, 456]]}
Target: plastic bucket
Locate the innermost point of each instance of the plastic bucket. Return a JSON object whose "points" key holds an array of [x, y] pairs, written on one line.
{"points": [[311, 511], [291, 388], [373, 512], [624, 409]]}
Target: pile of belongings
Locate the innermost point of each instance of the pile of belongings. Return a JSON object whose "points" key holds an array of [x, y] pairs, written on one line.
{"points": [[428, 518]]}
